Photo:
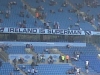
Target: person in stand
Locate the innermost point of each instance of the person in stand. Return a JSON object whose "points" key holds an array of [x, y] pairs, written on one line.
{"points": [[60, 10], [7, 15], [87, 66], [67, 58], [24, 21], [78, 71], [68, 46], [11, 73], [52, 11], [25, 6], [31, 47], [42, 58], [37, 59], [33, 64], [60, 58], [63, 58], [35, 22], [72, 70], [78, 56], [27, 15], [1, 21], [15, 61], [33, 71], [0, 63], [50, 60], [21, 14], [37, 15], [21, 60]]}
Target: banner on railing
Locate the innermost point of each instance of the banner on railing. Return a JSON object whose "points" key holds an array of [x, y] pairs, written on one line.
{"points": [[27, 57], [44, 31]]}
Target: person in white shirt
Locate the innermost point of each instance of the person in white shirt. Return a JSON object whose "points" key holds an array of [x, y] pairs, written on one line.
{"points": [[32, 71], [86, 66], [77, 71], [87, 63], [28, 71], [77, 56]]}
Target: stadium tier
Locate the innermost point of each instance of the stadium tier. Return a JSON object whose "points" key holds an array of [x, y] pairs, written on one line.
{"points": [[21, 14], [49, 37]]}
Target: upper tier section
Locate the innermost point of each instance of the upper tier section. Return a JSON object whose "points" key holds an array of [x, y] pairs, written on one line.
{"points": [[14, 14]]}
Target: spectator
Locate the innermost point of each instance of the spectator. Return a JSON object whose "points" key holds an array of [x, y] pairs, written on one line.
{"points": [[50, 60], [17, 69], [28, 71], [98, 16], [22, 25], [77, 71], [33, 64], [9, 5], [15, 61], [23, 67], [60, 10], [14, 3], [33, 71], [56, 25], [67, 58], [27, 15], [0, 63], [38, 58], [11, 73], [72, 71], [72, 10], [77, 23], [68, 46], [35, 22], [42, 58], [75, 53], [19, 23], [46, 50], [31, 47], [24, 21], [1, 12], [40, 8], [99, 23], [44, 15], [86, 68], [27, 45], [37, 1], [52, 3], [86, 64], [7, 15], [64, 4], [37, 15], [63, 58], [33, 58], [47, 26], [60, 59], [74, 59], [52, 11], [25, 6], [1, 21], [80, 29], [78, 56], [21, 60], [68, 28], [21, 14], [43, 0]]}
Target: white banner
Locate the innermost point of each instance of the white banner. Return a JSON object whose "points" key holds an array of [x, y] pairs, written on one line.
{"points": [[44, 31]]}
